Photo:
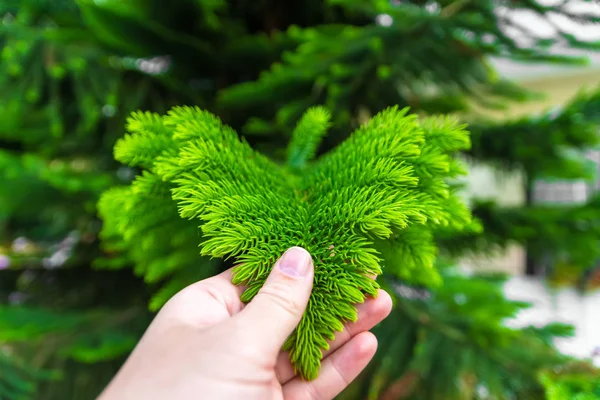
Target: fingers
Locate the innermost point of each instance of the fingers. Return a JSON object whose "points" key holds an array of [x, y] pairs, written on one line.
{"points": [[220, 287], [370, 313], [204, 303], [337, 371], [277, 308]]}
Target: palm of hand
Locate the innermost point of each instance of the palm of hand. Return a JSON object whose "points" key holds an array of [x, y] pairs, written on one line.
{"points": [[214, 351]]}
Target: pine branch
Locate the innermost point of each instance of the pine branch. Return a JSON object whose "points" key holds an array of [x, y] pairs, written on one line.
{"points": [[537, 144], [565, 233], [387, 177], [577, 381], [143, 221], [307, 137], [51, 337], [18, 379], [454, 342]]}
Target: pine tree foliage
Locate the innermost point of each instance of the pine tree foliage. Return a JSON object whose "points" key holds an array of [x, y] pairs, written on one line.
{"points": [[307, 137], [388, 178], [142, 219], [577, 381], [452, 343], [572, 237], [17, 381], [37, 344], [560, 134], [85, 337], [159, 243], [345, 75]]}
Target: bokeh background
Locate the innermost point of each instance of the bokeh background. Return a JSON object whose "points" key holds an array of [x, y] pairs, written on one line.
{"points": [[518, 315]]}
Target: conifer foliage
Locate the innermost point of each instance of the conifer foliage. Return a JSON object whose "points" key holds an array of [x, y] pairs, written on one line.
{"points": [[385, 181]]}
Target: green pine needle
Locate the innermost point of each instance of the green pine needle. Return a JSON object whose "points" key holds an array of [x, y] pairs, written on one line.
{"points": [[374, 198]]}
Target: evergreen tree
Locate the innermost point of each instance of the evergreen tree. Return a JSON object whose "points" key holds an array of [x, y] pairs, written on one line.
{"points": [[77, 290]]}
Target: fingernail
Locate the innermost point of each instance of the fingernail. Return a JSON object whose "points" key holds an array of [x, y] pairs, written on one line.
{"points": [[295, 262]]}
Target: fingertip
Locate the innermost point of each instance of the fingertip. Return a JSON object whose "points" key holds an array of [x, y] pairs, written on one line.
{"points": [[337, 370], [384, 303], [296, 262], [365, 345]]}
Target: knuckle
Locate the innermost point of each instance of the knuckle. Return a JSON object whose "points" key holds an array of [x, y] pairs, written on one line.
{"points": [[249, 352], [278, 295], [313, 393], [341, 372]]}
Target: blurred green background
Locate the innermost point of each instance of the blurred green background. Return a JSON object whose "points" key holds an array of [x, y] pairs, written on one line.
{"points": [[74, 298]]}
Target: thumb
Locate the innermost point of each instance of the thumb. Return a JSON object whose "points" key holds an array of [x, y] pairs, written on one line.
{"points": [[277, 308]]}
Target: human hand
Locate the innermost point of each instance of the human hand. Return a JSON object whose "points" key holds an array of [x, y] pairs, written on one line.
{"points": [[206, 344]]}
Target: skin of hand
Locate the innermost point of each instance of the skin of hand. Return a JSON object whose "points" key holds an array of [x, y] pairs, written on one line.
{"points": [[206, 344]]}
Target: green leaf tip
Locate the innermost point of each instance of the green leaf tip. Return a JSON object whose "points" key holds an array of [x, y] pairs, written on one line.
{"points": [[374, 200], [307, 136]]}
